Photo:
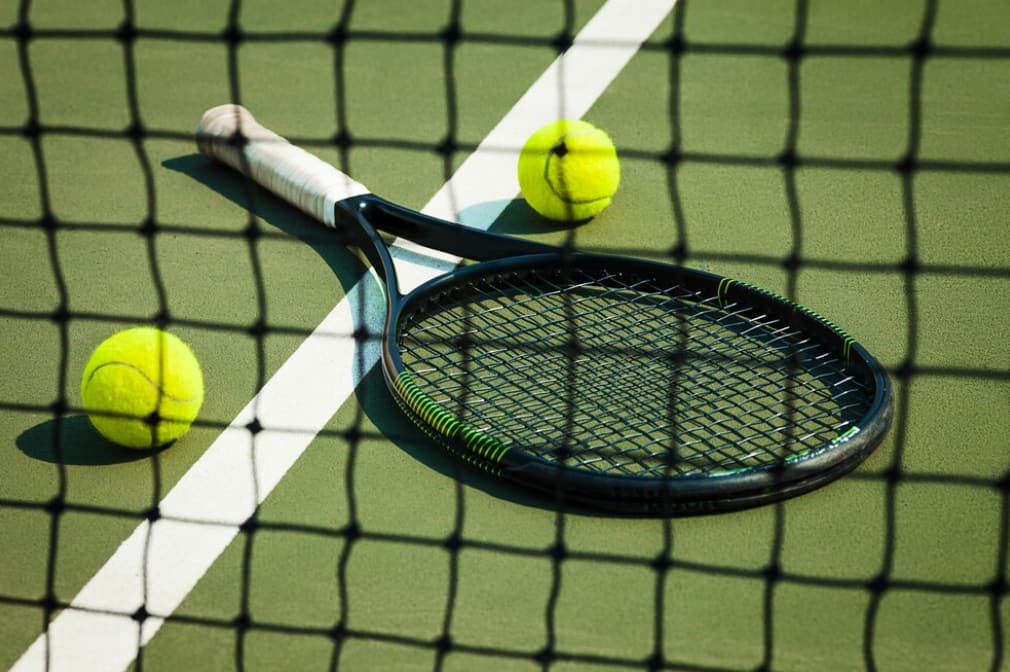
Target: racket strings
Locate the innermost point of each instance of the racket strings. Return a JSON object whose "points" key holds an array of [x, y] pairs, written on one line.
{"points": [[635, 368], [528, 403], [631, 408], [633, 399], [537, 311], [627, 376], [648, 431]]}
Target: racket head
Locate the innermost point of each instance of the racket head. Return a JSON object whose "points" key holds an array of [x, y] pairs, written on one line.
{"points": [[633, 387]]}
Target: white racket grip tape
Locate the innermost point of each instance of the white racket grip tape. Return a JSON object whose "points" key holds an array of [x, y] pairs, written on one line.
{"points": [[305, 181]]}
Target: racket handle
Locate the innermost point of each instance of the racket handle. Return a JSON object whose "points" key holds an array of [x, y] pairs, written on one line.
{"points": [[305, 181]]}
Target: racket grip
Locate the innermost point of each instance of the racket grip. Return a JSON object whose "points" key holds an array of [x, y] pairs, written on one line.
{"points": [[305, 181]]}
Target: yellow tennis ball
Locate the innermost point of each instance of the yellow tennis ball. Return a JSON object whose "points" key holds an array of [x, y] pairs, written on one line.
{"points": [[142, 388], [569, 171]]}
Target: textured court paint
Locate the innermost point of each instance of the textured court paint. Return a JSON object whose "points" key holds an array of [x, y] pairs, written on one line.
{"points": [[160, 562]]}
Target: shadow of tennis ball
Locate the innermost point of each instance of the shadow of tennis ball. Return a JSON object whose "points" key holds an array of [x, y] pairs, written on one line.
{"points": [[514, 217], [73, 440]]}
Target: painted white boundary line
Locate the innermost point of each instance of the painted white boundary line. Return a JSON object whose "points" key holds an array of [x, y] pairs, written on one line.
{"points": [[160, 563]]}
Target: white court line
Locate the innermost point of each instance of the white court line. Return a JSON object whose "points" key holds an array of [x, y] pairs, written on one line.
{"points": [[161, 562]]}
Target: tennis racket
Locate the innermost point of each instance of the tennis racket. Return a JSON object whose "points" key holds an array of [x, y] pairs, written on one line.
{"points": [[613, 383]]}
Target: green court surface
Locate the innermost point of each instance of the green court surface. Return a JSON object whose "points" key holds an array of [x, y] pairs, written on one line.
{"points": [[852, 156]]}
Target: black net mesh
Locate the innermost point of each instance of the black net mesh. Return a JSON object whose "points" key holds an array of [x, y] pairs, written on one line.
{"points": [[757, 608]]}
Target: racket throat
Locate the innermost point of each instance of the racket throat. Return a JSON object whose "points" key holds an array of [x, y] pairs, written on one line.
{"points": [[354, 213]]}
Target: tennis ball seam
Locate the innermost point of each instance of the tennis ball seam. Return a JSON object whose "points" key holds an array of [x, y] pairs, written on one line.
{"points": [[568, 170], [161, 391], [547, 170]]}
